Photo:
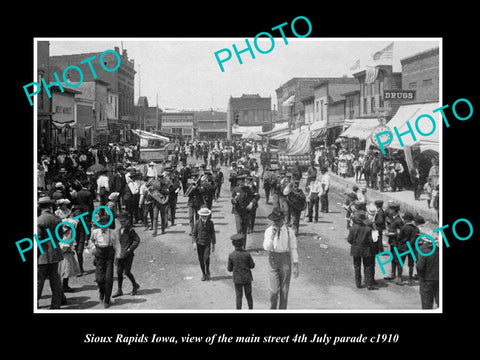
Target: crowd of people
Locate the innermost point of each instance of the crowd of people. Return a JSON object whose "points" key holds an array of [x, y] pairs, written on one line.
{"points": [[135, 192]]}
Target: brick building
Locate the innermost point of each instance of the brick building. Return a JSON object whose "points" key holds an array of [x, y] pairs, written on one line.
{"points": [[420, 72], [250, 112], [290, 96]]}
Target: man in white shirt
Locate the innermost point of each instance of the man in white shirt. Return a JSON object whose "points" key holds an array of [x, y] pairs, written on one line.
{"points": [[281, 243], [325, 183], [152, 170], [103, 187]]}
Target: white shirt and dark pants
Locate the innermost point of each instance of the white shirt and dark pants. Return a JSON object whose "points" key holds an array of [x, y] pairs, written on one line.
{"points": [[104, 261], [281, 245]]}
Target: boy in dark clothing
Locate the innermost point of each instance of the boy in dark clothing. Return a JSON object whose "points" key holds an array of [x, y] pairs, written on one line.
{"points": [[427, 268], [240, 262], [128, 241], [203, 239]]}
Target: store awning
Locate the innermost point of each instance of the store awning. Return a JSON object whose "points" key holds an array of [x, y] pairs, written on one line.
{"points": [[290, 101], [410, 113], [240, 130], [276, 129], [145, 135], [360, 128], [64, 124], [298, 143]]}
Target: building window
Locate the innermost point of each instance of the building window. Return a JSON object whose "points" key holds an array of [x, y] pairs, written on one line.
{"points": [[321, 110], [372, 104], [364, 105], [427, 82], [412, 85]]}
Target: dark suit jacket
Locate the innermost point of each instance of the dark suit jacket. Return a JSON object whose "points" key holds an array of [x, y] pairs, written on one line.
{"points": [[204, 234], [427, 266], [408, 233], [85, 199], [240, 262], [129, 241], [360, 237], [50, 255]]}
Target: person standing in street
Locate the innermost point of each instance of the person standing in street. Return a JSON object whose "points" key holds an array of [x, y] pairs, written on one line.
{"points": [[325, 184], [128, 241], [243, 201], [203, 240], [393, 223], [103, 239], [49, 257], [362, 249], [428, 274], [281, 243], [407, 234], [240, 262]]}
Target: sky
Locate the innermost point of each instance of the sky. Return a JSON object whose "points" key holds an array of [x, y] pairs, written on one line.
{"points": [[185, 75]]}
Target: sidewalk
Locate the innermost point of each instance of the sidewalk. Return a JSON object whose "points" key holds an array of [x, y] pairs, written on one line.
{"points": [[404, 198]]}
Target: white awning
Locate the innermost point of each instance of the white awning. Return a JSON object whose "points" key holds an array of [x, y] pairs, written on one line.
{"points": [[410, 113], [145, 135], [360, 128], [241, 130], [290, 101]]}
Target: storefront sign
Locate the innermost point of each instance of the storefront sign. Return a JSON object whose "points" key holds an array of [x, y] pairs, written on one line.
{"points": [[399, 94]]}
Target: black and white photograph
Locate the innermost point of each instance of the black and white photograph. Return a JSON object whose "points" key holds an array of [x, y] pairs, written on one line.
{"points": [[261, 179], [228, 181]]}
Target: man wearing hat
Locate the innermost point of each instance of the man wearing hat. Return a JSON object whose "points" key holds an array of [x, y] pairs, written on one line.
{"points": [[393, 223], [379, 223], [158, 190], [268, 180], [325, 184], [203, 240], [428, 271], [243, 201], [152, 170], [296, 203], [252, 183], [281, 243], [49, 259], [362, 249], [233, 176], [348, 203], [218, 180], [103, 187], [408, 234], [240, 262]]}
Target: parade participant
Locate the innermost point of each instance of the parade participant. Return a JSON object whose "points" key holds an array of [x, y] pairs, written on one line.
{"points": [[59, 192], [218, 179], [146, 204], [375, 171], [174, 188], [393, 223], [297, 203], [415, 179], [253, 184], [208, 188], [296, 172], [48, 260], [103, 239], [281, 243], [203, 240], [151, 170], [325, 183], [362, 249], [428, 274], [362, 194], [240, 262], [282, 188], [408, 233], [128, 241], [243, 200], [185, 174], [314, 189], [159, 192], [195, 200]]}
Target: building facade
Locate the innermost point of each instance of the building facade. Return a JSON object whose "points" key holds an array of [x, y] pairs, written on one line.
{"points": [[420, 72], [248, 112], [210, 125], [178, 123], [289, 98], [372, 98]]}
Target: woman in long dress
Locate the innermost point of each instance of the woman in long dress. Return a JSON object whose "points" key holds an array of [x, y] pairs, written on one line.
{"points": [[68, 267]]}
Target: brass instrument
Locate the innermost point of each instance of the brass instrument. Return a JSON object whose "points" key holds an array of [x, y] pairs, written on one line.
{"points": [[193, 186]]}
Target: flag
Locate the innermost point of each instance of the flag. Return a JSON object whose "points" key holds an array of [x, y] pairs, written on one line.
{"points": [[370, 74], [355, 66], [384, 54]]}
